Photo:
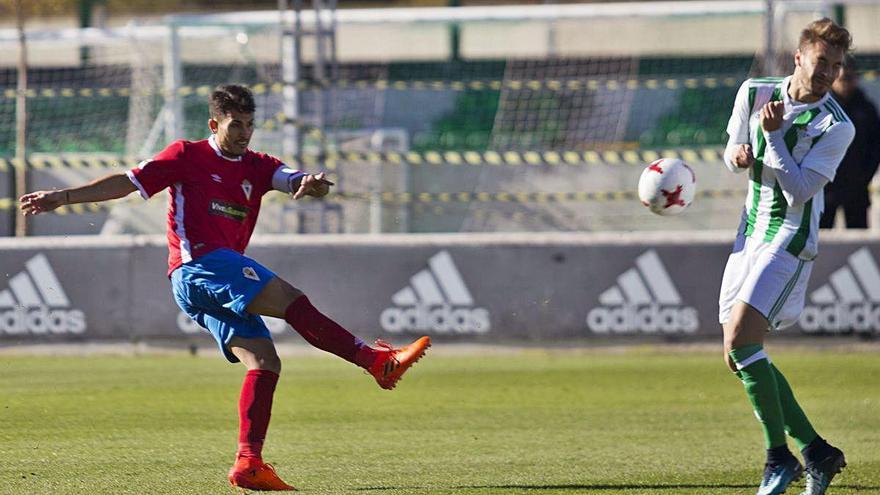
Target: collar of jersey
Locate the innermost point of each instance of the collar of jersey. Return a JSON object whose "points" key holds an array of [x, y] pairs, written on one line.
{"points": [[794, 107], [213, 142]]}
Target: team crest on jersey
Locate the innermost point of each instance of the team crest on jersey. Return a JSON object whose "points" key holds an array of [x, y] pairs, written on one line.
{"points": [[247, 188], [250, 273]]}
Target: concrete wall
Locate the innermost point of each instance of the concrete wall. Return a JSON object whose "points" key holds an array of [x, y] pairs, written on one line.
{"points": [[457, 288]]}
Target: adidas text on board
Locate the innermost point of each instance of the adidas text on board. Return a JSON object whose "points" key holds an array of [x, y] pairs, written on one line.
{"points": [[442, 319], [41, 321], [36, 303], [646, 319]]}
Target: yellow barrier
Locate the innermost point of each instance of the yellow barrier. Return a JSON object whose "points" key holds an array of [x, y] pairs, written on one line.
{"points": [[392, 198], [592, 84], [457, 158]]}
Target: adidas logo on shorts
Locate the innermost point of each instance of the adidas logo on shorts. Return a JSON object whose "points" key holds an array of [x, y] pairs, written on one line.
{"points": [[644, 300], [35, 303], [850, 301], [436, 301]]}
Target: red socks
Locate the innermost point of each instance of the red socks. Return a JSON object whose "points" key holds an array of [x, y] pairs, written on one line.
{"points": [[255, 402], [254, 410], [326, 334]]}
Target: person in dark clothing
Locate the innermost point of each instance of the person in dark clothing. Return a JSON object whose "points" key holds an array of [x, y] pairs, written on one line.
{"points": [[849, 189]]}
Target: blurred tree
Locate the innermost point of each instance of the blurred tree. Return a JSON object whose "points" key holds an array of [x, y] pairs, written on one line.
{"points": [[39, 7], [72, 7]]}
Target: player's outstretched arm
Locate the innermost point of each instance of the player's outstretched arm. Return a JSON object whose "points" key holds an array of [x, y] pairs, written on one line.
{"points": [[313, 185], [103, 189]]}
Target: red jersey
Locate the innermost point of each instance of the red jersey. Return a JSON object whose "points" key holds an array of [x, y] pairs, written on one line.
{"points": [[214, 200]]}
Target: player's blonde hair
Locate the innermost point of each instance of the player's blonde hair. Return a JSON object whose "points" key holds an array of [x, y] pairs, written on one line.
{"points": [[826, 30]]}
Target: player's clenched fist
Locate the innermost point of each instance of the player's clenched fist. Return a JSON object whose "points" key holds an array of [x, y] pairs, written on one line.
{"points": [[744, 158], [41, 201], [771, 116]]}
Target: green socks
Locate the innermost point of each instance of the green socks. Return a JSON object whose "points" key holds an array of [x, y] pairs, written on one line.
{"points": [[797, 425], [772, 398], [760, 382]]}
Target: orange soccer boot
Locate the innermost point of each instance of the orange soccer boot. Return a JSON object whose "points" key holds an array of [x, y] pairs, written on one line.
{"points": [[392, 363], [254, 474]]}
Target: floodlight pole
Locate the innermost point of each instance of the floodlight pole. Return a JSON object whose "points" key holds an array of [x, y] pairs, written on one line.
{"points": [[90, 11], [840, 14], [454, 35], [20, 167], [770, 40], [291, 60], [173, 78]]}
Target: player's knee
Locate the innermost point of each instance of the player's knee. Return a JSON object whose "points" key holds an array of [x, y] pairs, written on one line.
{"points": [[732, 338], [729, 342], [291, 293], [729, 361], [732, 329], [728, 346], [270, 362], [742, 330]]}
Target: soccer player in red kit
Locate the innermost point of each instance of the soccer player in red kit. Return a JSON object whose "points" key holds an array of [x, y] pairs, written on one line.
{"points": [[216, 187]]}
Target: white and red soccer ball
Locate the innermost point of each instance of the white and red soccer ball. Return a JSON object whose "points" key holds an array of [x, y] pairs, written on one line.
{"points": [[667, 186]]}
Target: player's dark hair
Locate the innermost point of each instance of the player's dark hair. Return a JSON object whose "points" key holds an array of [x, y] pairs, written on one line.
{"points": [[826, 30], [228, 98]]}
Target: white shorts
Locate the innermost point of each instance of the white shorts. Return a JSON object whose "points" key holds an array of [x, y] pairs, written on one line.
{"points": [[767, 278]]}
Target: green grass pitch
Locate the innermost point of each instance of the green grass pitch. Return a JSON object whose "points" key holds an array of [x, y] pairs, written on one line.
{"points": [[639, 421]]}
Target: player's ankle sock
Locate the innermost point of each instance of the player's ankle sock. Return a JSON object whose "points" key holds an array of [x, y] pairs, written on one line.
{"points": [[761, 387], [254, 410], [797, 425], [366, 356], [816, 450], [326, 334], [778, 455]]}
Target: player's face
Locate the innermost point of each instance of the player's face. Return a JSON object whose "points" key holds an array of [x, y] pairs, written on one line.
{"points": [[817, 66], [233, 132]]}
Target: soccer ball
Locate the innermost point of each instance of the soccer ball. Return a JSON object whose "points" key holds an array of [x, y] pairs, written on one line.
{"points": [[667, 186]]}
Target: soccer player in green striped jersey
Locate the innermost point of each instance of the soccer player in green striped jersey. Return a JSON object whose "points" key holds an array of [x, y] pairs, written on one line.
{"points": [[789, 135]]}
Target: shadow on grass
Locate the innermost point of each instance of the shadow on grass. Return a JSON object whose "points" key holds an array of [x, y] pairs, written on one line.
{"points": [[599, 487], [583, 487], [655, 486]]}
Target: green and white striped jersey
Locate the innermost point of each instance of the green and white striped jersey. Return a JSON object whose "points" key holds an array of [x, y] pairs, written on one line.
{"points": [[816, 135]]}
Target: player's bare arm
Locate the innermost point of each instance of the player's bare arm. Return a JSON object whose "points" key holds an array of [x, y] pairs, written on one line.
{"points": [[106, 188], [313, 185]]}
